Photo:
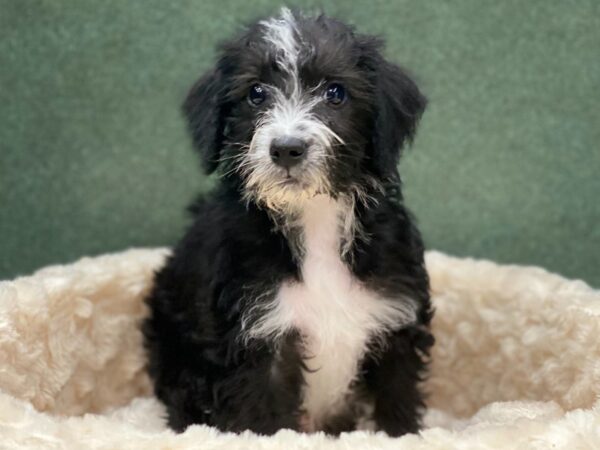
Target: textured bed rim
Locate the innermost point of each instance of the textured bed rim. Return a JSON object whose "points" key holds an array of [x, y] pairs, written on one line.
{"points": [[516, 364]]}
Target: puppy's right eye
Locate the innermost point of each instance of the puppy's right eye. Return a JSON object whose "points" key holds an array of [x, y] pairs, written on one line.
{"points": [[257, 95]]}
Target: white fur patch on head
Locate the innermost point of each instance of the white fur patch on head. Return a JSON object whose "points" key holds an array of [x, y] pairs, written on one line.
{"points": [[282, 33], [335, 314]]}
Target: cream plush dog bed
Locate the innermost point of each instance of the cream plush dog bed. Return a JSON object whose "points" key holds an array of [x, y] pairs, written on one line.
{"points": [[516, 363]]}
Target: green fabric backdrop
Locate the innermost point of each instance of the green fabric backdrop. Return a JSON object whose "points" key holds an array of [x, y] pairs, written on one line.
{"points": [[94, 156]]}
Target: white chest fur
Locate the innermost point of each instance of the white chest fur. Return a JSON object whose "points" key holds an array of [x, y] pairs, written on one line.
{"points": [[335, 314]]}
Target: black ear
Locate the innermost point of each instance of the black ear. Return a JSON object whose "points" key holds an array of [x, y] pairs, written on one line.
{"points": [[400, 105], [205, 111]]}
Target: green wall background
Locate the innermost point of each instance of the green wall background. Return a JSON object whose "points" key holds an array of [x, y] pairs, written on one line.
{"points": [[94, 156]]}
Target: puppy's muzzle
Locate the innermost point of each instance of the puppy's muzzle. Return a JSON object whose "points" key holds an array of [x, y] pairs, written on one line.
{"points": [[288, 151]]}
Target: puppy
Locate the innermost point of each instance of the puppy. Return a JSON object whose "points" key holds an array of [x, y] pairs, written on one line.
{"points": [[298, 298]]}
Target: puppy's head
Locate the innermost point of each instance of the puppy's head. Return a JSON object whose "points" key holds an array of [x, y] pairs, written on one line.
{"points": [[298, 106]]}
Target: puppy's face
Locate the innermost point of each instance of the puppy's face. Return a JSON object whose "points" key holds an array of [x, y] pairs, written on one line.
{"points": [[298, 106]]}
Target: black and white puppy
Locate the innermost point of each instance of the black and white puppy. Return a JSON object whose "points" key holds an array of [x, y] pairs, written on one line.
{"points": [[299, 297]]}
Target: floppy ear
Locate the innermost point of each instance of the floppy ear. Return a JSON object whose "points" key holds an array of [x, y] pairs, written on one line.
{"points": [[204, 110], [399, 106]]}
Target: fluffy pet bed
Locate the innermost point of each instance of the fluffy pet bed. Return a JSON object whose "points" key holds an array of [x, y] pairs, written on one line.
{"points": [[516, 364]]}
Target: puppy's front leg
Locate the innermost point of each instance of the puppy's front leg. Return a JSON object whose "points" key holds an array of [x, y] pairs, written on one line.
{"points": [[392, 377], [262, 393]]}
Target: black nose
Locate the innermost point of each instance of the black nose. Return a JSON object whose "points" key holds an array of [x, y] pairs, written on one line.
{"points": [[287, 151]]}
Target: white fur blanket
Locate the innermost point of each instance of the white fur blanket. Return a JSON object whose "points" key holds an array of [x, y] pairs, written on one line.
{"points": [[516, 363]]}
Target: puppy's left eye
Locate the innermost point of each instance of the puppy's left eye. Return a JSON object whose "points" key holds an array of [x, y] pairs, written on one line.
{"points": [[257, 95], [335, 94]]}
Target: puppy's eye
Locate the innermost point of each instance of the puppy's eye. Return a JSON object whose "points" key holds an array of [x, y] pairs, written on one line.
{"points": [[257, 95], [335, 94]]}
